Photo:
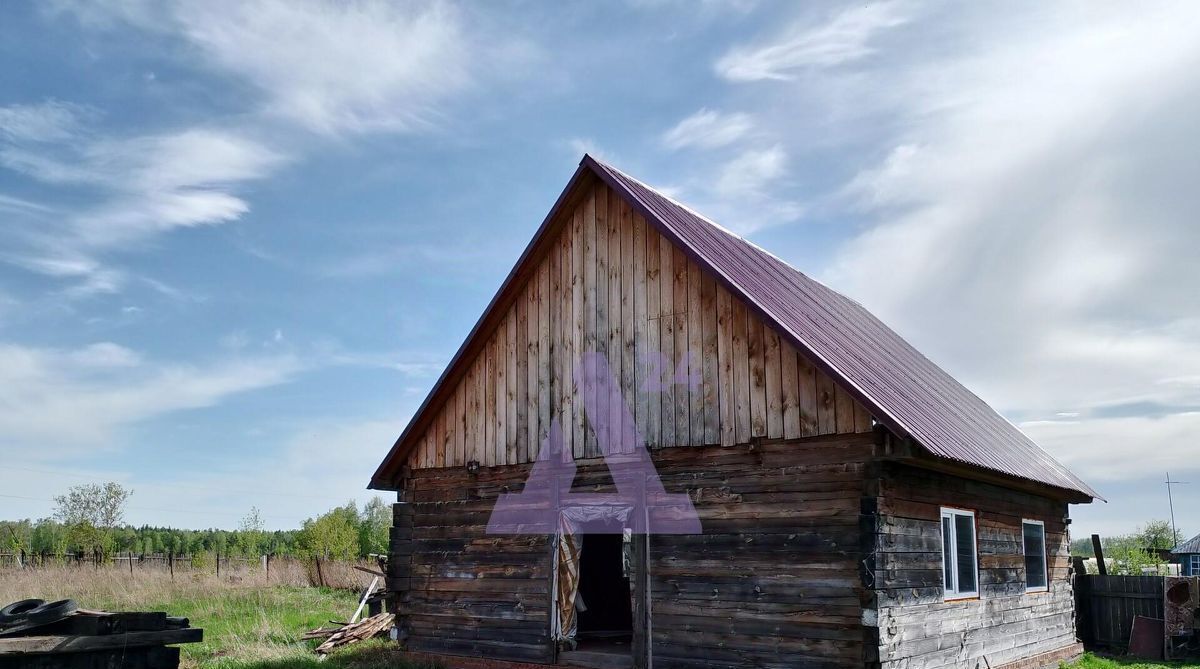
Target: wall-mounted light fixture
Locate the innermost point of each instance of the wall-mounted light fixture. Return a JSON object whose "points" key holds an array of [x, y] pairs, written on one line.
{"points": [[473, 467]]}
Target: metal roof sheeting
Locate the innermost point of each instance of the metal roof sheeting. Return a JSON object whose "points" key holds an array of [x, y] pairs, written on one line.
{"points": [[907, 391], [1191, 546]]}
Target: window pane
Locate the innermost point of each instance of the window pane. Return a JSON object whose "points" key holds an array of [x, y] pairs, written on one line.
{"points": [[1035, 556], [947, 558], [964, 534]]}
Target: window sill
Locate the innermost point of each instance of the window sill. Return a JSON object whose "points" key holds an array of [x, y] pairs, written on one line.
{"points": [[964, 597], [1035, 591]]}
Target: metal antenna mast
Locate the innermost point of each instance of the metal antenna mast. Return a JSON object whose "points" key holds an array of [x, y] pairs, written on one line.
{"points": [[1171, 502]]}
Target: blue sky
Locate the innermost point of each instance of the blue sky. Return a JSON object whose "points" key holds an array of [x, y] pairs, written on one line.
{"points": [[238, 242]]}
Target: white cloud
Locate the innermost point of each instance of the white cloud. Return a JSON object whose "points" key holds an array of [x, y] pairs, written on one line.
{"points": [[64, 399], [146, 185], [844, 38], [330, 67], [50, 121], [752, 172], [1033, 226], [708, 129]]}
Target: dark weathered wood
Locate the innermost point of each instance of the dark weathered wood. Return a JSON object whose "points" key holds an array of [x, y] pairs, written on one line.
{"points": [[78, 644], [1004, 624], [1099, 550]]}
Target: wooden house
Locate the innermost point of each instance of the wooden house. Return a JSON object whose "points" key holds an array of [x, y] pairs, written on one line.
{"points": [[1188, 556], [857, 506]]}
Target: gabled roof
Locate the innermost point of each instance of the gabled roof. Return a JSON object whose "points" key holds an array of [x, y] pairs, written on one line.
{"points": [[1188, 547], [902, 388]]}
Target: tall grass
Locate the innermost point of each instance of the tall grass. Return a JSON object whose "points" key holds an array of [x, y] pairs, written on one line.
{"points": [[250, 620]]}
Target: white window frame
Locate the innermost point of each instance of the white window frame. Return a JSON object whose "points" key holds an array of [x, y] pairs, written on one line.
{"points": [[1045, 559], [950, 594], [1195, 571]]}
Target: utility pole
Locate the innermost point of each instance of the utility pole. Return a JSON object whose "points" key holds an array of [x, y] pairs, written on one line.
{"points": [[1171, 502]]}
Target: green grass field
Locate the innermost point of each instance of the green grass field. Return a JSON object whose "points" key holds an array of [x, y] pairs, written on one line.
{"points": [[1092, 661], [248, 622]]}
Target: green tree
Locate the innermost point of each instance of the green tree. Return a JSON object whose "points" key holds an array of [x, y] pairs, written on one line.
{"points": [[1127, 556], [374, 527], [250, 532], [332, 536], [1158, 534]]}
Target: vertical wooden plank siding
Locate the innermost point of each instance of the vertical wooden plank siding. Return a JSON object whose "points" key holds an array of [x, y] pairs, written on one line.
{"points": [[599, 423], [555, 373], [826, 404], [666, 342], [521, 400], [566, 334], [531, 373], [695, 365], [808, 397], [741, 375], [772, 367], [577, 336], [543, 357], [499, 446], [709, 361], [650, 355], [626, 343], [790, 385], [678, 376], [725, 354], [511, 452], [589, 312], [615, 336], [758, 377], [640, 397]]}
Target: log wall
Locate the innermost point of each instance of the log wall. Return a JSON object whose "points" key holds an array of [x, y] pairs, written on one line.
{"points": [[695, 365], [774, 579], [916, 629], [467, 592]]}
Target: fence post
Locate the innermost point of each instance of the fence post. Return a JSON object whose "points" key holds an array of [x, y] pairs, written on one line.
{"points": [[218, 564], [171, 563], [320, 576]]}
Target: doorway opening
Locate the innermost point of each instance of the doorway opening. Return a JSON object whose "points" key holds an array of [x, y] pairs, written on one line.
{"points": [[604, 603]]}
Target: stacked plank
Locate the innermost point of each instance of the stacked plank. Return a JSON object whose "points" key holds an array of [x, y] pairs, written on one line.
{"points": [[131, 640], [335, 637]]}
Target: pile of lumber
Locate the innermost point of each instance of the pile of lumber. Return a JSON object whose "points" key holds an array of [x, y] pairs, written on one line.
{"points": [[131, 640], [349, 633]]}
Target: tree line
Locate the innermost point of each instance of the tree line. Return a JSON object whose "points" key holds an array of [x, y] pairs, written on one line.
{"points": [[89, 520]]}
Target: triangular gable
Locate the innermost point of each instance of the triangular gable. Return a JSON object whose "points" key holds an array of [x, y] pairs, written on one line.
{"points": [[882, 375]]}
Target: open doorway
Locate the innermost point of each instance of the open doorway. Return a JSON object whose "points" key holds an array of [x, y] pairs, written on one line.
{"points": [[603, 603]]}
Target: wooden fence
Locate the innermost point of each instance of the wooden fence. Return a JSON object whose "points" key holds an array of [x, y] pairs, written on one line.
{"points": [[165, 561], [1105, 607]]}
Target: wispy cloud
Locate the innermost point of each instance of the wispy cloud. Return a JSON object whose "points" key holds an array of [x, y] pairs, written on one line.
{"points": [[50, 121], [708, 129], [330, 67], [74, 398], [1027, 190], [843, 38], [142, 186]]}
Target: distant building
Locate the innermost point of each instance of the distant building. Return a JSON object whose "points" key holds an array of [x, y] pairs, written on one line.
{"points": [[1188, 554]]}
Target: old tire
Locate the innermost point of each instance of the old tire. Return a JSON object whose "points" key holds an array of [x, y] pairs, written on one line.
{"points": [[52, 612], [15, 613]]}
